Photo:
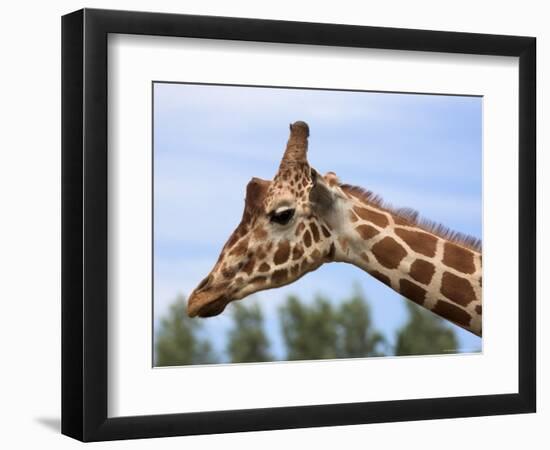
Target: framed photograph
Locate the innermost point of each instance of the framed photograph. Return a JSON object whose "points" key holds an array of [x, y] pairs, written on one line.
{"points": [[272, 224]]}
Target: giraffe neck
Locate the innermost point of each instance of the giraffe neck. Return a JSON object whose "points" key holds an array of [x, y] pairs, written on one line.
{"points": [[436, 272]]}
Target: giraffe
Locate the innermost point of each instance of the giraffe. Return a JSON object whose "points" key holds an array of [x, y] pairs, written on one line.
{"points": [[301, 220]]}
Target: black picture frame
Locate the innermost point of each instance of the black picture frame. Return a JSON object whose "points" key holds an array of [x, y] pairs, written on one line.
{"points": [[84, 224]]}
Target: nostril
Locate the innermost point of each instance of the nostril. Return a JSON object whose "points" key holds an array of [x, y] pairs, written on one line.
{"points": [[204, 283]]}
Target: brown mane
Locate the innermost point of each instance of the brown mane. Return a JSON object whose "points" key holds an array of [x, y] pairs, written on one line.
{"points": [[412, 218]]}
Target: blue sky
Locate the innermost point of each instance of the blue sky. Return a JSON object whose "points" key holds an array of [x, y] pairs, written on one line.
{"points": [[418, 151]]}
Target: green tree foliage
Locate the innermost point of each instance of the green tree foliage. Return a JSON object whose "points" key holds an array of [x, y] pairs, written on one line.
{"points": [[321, 331], [317, 330], [247, 340], [309, 331], [358, 336], [424, 334], [177, 341]]}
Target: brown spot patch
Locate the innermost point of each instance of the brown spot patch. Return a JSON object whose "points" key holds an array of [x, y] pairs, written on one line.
{"points": [[458, 258], [325, 231], [412, 291], [228, 272], [331, 251], [389, 252], [283, 252], [307, 238], [366, 231], [316, 255], [249, 266], [297, 252], [418, 241], [478, 309], [353, 194], [240, 248], [279, 276], [314, 231], [372, 216], [295, 270], [264, 267], [451, 312], [400, 221], [381, 277], [365, 257], [300, 228], [260, 233], [422, 271], [457, 289], [258, 280], [261, 254]]}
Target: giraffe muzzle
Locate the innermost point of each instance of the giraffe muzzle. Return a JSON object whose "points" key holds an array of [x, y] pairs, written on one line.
{"points": [[206, 304]]}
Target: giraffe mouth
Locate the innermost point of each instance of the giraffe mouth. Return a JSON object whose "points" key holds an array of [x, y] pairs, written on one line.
{"points": [[201, 307]]}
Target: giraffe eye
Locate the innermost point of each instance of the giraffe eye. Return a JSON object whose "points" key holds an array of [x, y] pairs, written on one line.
{"points": [[282, 217]]}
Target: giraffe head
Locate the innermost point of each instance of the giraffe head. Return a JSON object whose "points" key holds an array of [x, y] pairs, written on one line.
{"points": [[285, 232]]}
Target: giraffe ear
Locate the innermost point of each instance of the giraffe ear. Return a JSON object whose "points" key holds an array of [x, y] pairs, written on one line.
{"points": [[321, 196]]}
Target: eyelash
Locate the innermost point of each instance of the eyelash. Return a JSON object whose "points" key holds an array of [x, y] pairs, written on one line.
{"points": [[283, 217]]}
